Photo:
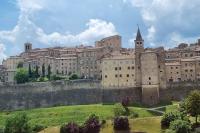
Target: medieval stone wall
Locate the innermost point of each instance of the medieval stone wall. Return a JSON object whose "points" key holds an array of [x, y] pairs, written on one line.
{"points": [[35, 95]]}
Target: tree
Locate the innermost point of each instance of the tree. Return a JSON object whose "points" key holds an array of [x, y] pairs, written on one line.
{"points": [[167, 118], [43, 70], [20, 65], [17, 124], [180, 126], [21, 76], [37, 72], [30, 71], [49, 72], [193, 104]]}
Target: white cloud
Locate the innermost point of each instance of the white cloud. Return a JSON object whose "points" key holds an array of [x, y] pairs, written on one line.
{"points": [[27, 30], [167, 17], [96, 29]]}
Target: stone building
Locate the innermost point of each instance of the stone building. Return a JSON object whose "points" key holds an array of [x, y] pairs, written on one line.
{"points": [[113, 42], [118, 71]]}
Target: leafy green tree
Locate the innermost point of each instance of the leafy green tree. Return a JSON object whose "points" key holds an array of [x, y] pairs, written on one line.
{"points": [[180, 126], [20, 65], [21, 76], [30, 71], [43, 70], [17, 124], [193, 104], [49, 72], [167, 118]]}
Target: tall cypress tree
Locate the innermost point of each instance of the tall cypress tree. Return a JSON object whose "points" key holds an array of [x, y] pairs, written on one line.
{"points": [[37, 72], [43, 70], [49, 71], [29, 71]]}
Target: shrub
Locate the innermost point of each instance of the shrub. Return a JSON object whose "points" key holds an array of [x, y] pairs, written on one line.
{"points": [[169, 117], [92, 125], [38, 128], [41, 79], [119, 110], [55, 77], [69, 128], [121, 123], [73, 77], [180, 126], [17, 124]]}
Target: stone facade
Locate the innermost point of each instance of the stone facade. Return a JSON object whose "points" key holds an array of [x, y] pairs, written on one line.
{"points": [[118, 71]]}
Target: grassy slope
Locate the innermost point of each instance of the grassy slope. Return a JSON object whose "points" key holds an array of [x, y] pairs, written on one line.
{"points": [[59, 115]]}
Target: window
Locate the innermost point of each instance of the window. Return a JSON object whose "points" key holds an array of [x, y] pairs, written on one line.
{"points": [[177, 72], [191, 70], [128, 68], [149, 83], [149, 78], [115, 75], [115, 68], [132, 67], [186, 70], [176, 67], [171, 67], [120, 68], [127, 75], [120, 75], [106, 76]]}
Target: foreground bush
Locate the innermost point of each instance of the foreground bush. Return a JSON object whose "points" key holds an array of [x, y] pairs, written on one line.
{"points": [[92, 125], [17, 124], [180, 126], [121, 123], [169, 117], [69, 128]]}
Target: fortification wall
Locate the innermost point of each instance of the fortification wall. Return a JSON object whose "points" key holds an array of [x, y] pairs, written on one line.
{"points": [[35, 95]]}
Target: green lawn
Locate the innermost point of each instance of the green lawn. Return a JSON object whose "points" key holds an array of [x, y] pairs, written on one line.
{"points": [[58, 115]]}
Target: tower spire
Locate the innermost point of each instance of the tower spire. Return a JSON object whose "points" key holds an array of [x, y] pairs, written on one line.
{"points": [[139, 36]]}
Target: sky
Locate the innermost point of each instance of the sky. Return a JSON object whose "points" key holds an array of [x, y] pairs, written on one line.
{"points": [[49, 23]]}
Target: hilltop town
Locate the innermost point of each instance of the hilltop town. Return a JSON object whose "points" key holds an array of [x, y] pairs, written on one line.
{"points": [[116, 67]]}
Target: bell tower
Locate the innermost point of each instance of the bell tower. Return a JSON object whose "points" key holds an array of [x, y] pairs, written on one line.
{"points": [[27, 47], [139, 48]]}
